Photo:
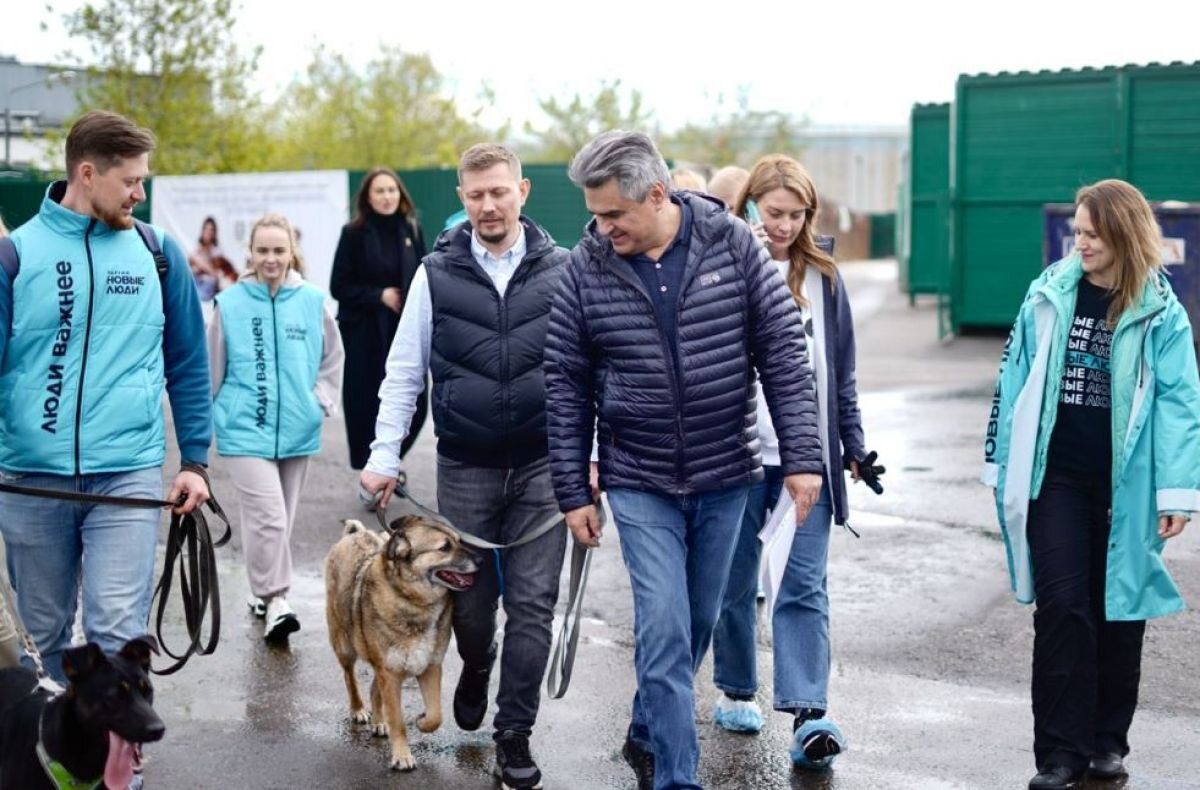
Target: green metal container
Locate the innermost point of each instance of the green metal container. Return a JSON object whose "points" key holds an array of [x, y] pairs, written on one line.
{"points": [[883, 235], [926, 264], [1023, 140]]}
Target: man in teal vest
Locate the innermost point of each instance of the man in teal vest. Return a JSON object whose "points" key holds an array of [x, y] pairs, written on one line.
{"points": [[89, 334]]}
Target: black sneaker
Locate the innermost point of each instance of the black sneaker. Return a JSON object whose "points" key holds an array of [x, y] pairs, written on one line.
{"points": [[471, 697], [515, 767], [641, 761]]}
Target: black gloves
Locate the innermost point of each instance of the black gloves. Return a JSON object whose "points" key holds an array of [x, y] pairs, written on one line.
{"points": [[869, 471]]}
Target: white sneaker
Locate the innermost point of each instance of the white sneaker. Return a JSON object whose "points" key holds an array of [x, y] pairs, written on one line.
{"points": [[258, 607], [281, 620]]}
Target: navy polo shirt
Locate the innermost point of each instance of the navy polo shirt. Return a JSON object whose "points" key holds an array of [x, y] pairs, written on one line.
{"points": [[663, 278]]}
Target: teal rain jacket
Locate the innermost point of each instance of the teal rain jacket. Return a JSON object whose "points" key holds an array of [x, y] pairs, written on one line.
{"points": [[1155, 430]]}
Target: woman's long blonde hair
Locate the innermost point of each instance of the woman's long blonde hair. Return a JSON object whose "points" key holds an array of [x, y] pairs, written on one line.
{"points": [[1125, 223], [273, 220], [773, 172]]}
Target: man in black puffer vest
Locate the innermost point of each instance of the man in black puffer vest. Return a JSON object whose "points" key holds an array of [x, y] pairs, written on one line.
{"points": [[476, 319], [667, 308]]}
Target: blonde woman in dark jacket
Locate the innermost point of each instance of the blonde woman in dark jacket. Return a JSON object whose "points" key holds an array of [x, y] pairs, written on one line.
{"points": [[780, 202]]}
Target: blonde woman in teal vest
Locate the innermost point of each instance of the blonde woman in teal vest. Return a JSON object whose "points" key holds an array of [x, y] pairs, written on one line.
{"points": [[1094, 452], [276, 375]]}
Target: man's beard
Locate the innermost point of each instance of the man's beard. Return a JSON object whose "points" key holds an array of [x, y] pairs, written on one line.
{"points": [[116, 220], [494, 238]]}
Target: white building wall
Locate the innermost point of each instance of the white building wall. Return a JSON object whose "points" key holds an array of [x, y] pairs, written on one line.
{"points": [[860, 168]]}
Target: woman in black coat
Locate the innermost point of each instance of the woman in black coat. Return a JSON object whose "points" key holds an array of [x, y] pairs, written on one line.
{"points": [[374, 264]]}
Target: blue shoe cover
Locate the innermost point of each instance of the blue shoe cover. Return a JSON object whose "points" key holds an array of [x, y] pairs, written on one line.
{"points": [[737, 715], [807, 730]]}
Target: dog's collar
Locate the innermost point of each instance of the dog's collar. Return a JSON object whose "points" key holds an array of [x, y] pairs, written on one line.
{"points": [[56, 772]]}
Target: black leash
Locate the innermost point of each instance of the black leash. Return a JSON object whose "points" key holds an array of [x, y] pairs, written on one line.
{"points": [[198, 587], [203, 592], [563, 660]]}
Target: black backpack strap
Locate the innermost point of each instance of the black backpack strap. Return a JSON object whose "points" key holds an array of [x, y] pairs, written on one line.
{"points": [[12, 262], [9, 260], [161, 264]]}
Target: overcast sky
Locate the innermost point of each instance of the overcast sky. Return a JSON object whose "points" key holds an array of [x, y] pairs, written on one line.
{"points": [[852, 63]]}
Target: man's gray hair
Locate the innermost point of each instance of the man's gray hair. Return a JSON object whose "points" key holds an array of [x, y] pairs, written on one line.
{"points": [[629, 157]]}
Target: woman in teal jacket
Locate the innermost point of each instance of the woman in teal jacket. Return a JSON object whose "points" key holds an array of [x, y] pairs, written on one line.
{"points": [[276, 360], [1092, 450]]}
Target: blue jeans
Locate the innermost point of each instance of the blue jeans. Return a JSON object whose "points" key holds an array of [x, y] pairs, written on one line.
{"points": [[677, 550], [800, 621], [54, 546]]}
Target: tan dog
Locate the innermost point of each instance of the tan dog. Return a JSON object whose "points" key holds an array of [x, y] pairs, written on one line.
{"points": [[387, 600]]}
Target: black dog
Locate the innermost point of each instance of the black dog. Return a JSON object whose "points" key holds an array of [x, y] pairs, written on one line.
{"points": [[92, 731]]}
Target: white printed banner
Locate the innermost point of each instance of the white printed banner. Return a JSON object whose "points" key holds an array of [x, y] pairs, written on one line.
{"points": [[317, 203]]}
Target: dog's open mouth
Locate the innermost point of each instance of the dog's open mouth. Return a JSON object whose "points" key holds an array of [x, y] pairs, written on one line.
{"points": [[124, 758], [454, 580]]}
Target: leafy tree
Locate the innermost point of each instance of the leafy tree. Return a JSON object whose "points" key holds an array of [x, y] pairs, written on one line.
{"points": [[395, 113], [572, 123], [171, 66]]}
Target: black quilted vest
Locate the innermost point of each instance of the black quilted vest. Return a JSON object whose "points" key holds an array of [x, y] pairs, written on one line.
{"points": [[489, 399]]}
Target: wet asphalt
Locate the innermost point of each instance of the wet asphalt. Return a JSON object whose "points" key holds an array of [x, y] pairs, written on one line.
{"points": [[931, 654]]}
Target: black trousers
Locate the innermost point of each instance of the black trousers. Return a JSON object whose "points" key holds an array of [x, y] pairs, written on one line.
{"points": [[1086, 670]]}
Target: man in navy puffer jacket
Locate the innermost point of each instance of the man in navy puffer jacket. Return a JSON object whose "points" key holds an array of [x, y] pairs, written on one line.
{"points": [[667, 308]]}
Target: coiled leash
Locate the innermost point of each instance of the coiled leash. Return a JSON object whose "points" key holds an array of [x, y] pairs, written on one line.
{"points": [[203, 592], [563, 660], [198, 586]]}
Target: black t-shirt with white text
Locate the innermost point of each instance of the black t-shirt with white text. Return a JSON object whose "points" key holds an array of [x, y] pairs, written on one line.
{"points": [[1081, 445]]}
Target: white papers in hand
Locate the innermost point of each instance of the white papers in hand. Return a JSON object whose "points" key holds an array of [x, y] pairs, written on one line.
{"points": [[776, 536]]}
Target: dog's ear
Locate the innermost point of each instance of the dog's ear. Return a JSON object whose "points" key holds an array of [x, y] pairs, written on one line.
{"points": [[398, 547], [79, 662], [138, 650]]}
